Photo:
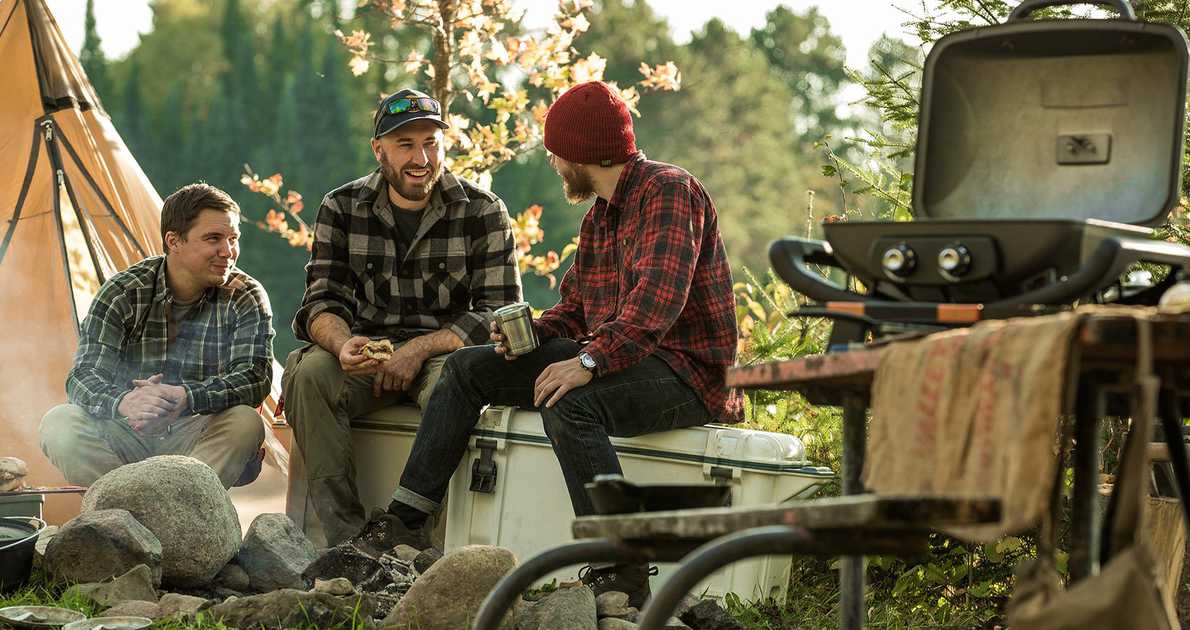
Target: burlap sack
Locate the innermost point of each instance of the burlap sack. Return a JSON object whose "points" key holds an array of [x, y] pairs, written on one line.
{"points": [[973, 412], [1128, 592], [1165, 535]]}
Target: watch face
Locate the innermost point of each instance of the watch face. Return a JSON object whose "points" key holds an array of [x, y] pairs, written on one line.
{"points": [[586, 361]]}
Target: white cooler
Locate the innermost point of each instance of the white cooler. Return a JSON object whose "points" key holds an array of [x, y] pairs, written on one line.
{"points": [[524, 506]]}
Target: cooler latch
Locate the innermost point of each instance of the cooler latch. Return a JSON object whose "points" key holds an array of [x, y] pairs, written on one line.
{"points": [[484, 469]]}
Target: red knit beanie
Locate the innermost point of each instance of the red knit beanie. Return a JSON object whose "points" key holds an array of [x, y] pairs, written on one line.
{"points": [[590, 124]]}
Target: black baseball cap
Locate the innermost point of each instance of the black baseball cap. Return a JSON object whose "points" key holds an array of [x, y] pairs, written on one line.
{"points": [[406, 106]]}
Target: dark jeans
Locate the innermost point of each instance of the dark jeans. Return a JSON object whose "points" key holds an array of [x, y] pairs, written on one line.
{"points": [[645, 398]]}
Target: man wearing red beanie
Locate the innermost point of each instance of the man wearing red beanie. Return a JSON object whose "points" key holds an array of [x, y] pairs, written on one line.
{"points": [[639, 342]]}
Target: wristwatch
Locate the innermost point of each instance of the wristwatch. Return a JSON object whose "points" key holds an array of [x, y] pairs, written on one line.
{"points": [[587, 362]]}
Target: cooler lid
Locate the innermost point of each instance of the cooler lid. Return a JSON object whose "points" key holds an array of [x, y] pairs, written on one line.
{"points": [[714, 445], [1074, 119]]}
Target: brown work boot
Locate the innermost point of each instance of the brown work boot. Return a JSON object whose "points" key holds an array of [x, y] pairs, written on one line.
{"points": [[384, 532], [632, 579]]}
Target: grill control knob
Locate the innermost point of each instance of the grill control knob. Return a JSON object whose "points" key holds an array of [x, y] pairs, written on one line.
{"points": [[899, 260], [954, 261]]}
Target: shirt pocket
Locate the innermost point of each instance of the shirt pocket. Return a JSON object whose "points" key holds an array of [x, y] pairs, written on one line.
{"points": [[368, 268], [445, 286]]}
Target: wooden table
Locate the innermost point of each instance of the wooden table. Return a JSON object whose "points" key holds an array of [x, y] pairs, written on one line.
{"points": [[1106, 356]]}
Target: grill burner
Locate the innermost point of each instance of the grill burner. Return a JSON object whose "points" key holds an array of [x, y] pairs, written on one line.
{"points": [[1046, 151]]}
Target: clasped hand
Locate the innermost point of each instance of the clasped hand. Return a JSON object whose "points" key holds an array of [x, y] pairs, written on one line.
{"points": [[151, 403], [395, 374]]}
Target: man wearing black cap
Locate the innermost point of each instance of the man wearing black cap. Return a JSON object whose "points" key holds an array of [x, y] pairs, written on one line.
{"points": [[409, 253], [639, 342]]}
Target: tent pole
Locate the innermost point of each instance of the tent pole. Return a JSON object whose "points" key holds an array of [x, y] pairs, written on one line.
{"points": [[59, 183], [16, 213]]}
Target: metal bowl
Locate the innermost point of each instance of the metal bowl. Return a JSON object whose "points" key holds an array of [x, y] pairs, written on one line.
{"points": [[110, 623], [39, 616]]}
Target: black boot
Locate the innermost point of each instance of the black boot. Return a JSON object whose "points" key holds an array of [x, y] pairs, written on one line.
{"points": [[384, 532], [632, 579]]}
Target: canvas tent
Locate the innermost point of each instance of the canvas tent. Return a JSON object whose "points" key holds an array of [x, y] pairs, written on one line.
{"points": [[75, 208]]}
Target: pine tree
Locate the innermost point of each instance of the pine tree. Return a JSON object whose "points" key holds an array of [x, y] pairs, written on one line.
{"points": [[91, 56]]}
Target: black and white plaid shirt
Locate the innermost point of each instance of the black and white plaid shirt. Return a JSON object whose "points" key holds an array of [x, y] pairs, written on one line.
{"points": [[459, 268], [222, 354]]}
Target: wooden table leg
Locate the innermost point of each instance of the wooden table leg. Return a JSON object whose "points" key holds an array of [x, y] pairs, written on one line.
{"points": [[851, 570], [1084, 509]]}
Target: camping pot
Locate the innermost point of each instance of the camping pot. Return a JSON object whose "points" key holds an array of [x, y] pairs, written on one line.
{"points": [[516, 324], [18, 536]]}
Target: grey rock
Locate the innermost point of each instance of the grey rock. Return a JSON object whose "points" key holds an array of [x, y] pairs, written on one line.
{"points": [[233, 577], [182, 605], [134, 608], [275, 553], [101, 544], [675, 624], [289, 608], [43, 540], [708, 615], [426, 559], [612, 604], [12, 473], [572, 608], [613, 623], [448, 595], [181, 501], [405, 553], [334, 586], [136, 584]]}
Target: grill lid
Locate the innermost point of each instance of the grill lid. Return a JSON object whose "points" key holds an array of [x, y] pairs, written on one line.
{"points": [[1070, 119]]}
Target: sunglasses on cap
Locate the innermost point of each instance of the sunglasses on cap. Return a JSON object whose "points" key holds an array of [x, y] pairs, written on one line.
{"points": [[413, 104]]}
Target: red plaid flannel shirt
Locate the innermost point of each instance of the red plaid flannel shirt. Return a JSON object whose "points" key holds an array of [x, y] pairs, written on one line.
{"points": [[651, 277]]}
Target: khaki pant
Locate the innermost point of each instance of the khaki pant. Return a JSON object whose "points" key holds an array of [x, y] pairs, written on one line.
{"points": [[85, 448], [320, 402]]}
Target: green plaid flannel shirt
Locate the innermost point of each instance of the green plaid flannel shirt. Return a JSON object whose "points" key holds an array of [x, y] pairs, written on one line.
{"points": [[222, 355], [459, 268]]}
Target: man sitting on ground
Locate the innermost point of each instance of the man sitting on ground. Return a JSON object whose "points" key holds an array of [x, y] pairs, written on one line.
{"points": [[174, 355], [639, 342]]}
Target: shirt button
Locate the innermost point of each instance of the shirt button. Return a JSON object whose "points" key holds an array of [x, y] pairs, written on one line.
{"points": [[442, 265], [368, 266]]}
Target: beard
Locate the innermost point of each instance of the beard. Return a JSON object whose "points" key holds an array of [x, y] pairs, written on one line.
{"points": [[412, 192], [577, 184]]}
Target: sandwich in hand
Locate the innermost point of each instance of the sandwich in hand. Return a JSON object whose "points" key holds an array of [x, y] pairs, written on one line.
{"points": [[379, 349]]}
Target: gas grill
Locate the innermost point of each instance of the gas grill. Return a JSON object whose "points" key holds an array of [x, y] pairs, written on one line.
{"points": [[1047, 151]]}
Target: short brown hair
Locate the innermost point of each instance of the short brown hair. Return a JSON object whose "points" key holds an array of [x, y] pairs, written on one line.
{"points": [[183, 206]]}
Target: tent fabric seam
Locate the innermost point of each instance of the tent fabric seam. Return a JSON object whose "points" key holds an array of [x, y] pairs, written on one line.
{"points": [[98, 191]]}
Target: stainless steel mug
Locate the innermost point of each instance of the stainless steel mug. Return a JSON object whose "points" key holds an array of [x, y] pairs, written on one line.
{"points": [[516, 324]]}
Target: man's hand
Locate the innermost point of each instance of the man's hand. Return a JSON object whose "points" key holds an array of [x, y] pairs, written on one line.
{"points": [[398, 372], [498, 339], [557, 379], [151, 402], [352, 359]]}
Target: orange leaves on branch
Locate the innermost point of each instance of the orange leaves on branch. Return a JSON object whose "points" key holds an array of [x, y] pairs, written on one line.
{"points": [[358, 43], [661, 77], [276, 220]]}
